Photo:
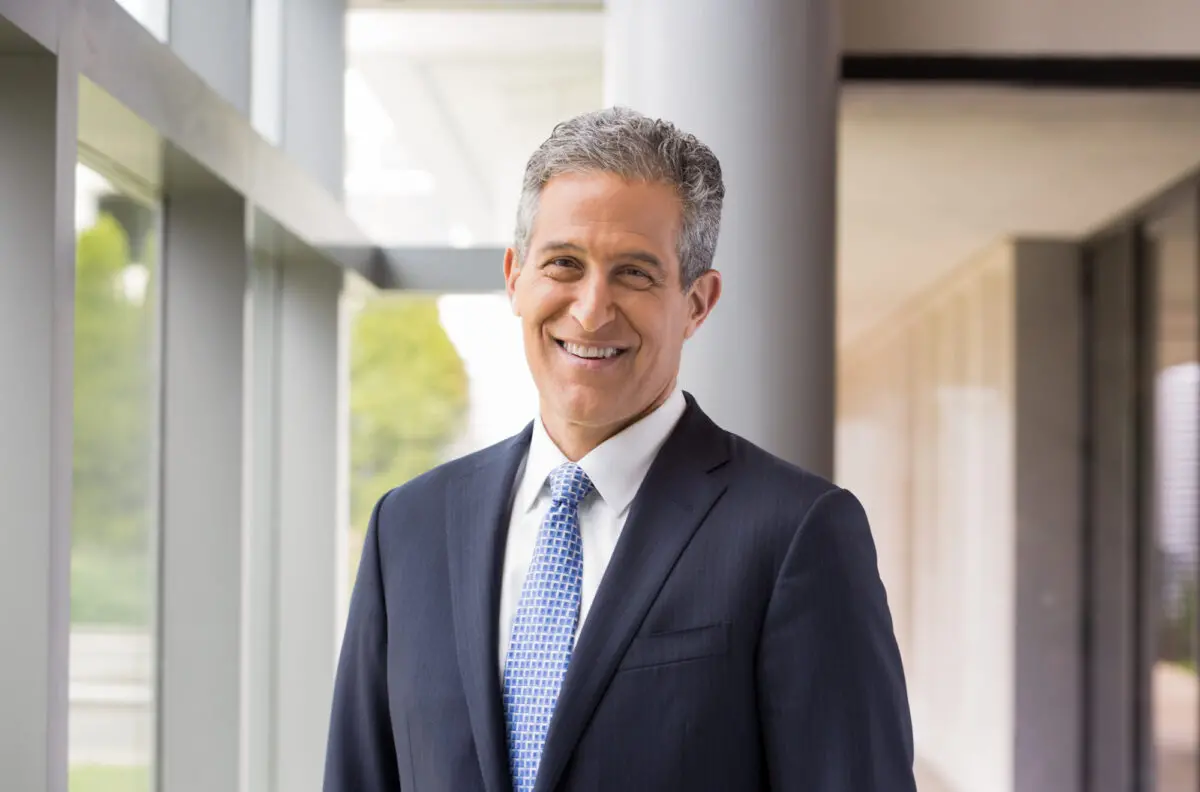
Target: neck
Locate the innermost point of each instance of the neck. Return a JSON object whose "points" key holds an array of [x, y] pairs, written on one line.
{"points": [[577, 440]]}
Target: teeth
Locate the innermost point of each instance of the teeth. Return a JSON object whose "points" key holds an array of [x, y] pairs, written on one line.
{"points": [[590, 352]]}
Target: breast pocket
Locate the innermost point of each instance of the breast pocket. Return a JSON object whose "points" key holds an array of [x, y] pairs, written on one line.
{"points": [[677, 646]]}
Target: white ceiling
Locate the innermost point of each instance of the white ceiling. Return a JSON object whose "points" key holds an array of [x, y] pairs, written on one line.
{"points": [[931, 176], [448, 105], [468, 96]]}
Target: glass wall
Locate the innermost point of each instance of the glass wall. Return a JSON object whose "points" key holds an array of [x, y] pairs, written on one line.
{"points": [[114, 524], [1142, 631], [1172, 250], [167, 641]]}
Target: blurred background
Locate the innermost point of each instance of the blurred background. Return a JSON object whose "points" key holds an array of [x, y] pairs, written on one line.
{"points": [[972, 297]]}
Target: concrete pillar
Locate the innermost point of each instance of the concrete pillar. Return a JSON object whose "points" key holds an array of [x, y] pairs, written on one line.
{"points": [[1048, 473], [39, 94], [310, 550], [201, 638], [1112, 570], [295, 550], [757, 81]]}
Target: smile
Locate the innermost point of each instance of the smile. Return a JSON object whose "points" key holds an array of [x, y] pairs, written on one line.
{"points": [[584, 352]]}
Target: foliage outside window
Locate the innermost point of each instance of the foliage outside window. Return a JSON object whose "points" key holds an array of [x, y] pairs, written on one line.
{"points": [[408, 402]]}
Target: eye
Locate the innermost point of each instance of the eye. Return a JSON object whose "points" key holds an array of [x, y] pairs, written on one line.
{"points": [[637, 276], [562, 268]]}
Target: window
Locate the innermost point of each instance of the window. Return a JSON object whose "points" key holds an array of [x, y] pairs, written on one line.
{"points": [[431, 378], [114, 522], [1173, 496]]}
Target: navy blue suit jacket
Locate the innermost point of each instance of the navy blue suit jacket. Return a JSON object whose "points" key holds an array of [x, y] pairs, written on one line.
{"points": [[740, 638]]}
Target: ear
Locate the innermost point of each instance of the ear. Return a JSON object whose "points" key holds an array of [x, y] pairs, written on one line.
{"points": [[702, 298], [512, 271]]}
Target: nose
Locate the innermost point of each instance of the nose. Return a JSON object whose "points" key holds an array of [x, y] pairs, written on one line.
{"points": [[593, 305]]}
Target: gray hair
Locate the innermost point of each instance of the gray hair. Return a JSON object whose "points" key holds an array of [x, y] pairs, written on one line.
{"points": [[626, 143]]}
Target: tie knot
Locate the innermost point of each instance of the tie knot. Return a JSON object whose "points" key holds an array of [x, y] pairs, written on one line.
{"points": [[569, 484]]}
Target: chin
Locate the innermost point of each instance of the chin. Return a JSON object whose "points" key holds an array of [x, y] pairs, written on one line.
{"points": [[586, 406]]}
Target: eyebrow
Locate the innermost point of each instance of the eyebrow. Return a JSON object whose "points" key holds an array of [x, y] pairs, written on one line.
{"points": [[636, 255]]}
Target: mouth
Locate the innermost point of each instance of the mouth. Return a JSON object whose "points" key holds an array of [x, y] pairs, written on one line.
{"points": [[591, 354]]}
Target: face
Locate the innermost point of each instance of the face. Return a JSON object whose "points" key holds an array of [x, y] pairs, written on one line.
{"points": [[603, 312]]}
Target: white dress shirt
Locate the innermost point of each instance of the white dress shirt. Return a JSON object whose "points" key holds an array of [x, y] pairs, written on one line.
{"points": [[616, 467]]}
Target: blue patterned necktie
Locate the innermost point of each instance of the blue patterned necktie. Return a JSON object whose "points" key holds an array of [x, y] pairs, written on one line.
{"points": [[543, 631]]}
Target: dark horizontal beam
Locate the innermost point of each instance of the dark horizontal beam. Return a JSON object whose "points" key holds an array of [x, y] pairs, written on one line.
{"points": [[446, 270], [1112, 73]]}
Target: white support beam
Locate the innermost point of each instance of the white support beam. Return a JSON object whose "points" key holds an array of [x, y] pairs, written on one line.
{"points": [[447, 270], [310, 548], [201, 609], [37, 268], [260, 567]]}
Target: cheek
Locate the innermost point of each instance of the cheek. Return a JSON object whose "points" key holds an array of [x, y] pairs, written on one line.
{"points": [[532, 331], [669, 326], [539, 302], [660, 342], [674, 334]]}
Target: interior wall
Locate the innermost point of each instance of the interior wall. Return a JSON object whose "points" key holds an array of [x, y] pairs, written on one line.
{"points": [[925, 437]]}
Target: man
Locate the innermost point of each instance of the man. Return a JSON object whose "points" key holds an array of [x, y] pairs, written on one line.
{"points": [[624, 596]]}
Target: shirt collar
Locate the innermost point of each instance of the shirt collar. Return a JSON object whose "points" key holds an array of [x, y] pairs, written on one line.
{"points": [[616, 467]]}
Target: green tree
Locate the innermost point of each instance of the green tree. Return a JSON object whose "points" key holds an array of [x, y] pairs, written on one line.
{"points": [[114, 388], [408, 397]]}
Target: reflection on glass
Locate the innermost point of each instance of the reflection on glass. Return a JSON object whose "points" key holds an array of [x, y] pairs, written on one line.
{"points": [[1176, 495], [114, 492], [431, 378]]}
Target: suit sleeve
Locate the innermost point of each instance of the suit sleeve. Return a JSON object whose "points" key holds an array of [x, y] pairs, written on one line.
{"points": [[361, 754], [831, 687]]}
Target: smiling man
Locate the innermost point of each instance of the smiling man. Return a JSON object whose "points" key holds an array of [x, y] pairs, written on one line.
{"points": [[624, 596]]}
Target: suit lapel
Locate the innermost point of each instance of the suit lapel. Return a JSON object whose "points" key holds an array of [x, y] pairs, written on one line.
{"points": [[477, 528], [680, 488]]}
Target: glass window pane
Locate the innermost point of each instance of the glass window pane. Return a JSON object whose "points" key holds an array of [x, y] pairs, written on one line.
{"points": [[114, 491], [431, 378], [1175, 494]]}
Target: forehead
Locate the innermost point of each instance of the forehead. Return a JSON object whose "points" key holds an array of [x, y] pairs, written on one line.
{"points": [[605, 206]]}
